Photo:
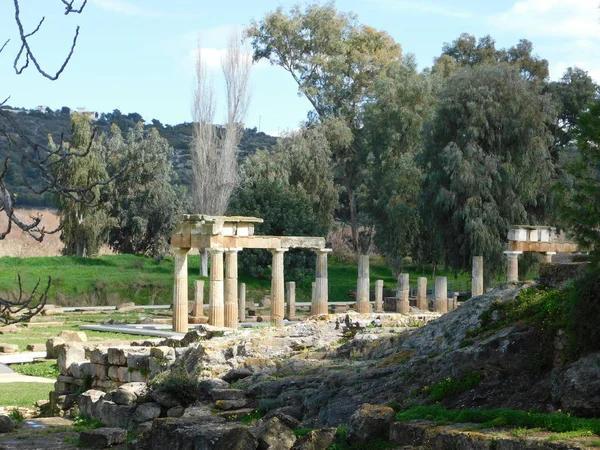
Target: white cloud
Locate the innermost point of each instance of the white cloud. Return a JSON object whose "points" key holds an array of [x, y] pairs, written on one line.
{"points": [[423, 6], [577, 19]]}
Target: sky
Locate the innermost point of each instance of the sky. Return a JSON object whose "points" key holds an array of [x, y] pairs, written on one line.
{"points": [[138, 55]]}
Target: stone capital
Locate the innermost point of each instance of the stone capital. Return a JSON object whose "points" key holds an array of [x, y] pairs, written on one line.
{"points": [[512, 254], [232, 250], [278, 250], [215, 250], [181, 250]]}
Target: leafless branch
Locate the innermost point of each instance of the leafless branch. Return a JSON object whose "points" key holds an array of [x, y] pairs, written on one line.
{"points": [[24, 308]]}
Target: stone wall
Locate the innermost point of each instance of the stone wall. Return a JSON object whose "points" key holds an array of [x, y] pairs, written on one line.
{"points": [[106, 368]]}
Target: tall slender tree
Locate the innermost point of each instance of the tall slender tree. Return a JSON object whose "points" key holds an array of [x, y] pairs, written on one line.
{"points": [[215, 148]]}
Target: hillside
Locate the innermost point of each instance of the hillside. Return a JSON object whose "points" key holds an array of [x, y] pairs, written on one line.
{"points": [[38, 125]]}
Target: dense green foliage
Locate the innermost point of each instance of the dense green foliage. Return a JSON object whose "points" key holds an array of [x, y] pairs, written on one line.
{"points": [[487, 161], [292, 189], [491, 418], [85, 221]]}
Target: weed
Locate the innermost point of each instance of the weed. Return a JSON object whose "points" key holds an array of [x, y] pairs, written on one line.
{"points": [[453, 386], [465, 343], [84, 424], [301, 432], [250, 417], [16, 416], [46, 369], [73, 441]]}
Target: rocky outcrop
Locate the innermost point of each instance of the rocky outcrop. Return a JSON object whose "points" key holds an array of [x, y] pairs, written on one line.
{"points": [[576, 387]]}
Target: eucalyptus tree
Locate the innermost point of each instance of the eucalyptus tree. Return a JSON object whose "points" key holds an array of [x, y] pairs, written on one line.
{"points": [[487, 160], [335, 61]]}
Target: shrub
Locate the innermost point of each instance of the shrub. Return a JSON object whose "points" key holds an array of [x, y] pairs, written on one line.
{"points": [[179, 384], [452, 386]]}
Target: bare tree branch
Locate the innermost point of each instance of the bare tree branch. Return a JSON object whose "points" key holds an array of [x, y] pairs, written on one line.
{"points": [[24, 308]]}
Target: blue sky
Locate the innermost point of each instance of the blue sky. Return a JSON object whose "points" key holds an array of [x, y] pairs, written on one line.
{"points": [[137, 55]]}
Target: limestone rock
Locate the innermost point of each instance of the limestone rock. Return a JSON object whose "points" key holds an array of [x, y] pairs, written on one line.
{"points": [[126, 306], [316, 440], [213, 383], [142, 428], [87, 402], [370, 421], [51, 347], [102, 437], [9, 348], [240, 438], [165, 399], [67, 354], [576, 387], [137, 388], [237, 374], [176, 411], [99, 356], [36, 347], [73, 336], [227, 394], [123, 397], [113, 415], [227, 405], [145, 412], [9, 329], [6, 423], [274, 435]]}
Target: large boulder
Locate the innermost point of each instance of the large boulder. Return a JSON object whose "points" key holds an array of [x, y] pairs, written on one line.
{"points": [[274, 435], [316, 440], [240, 438], [6, 423], [67, 354], [88, 401], [73, 336], [369, 422], [576, 387], [102, 437], [146, 412], [52, 345]]}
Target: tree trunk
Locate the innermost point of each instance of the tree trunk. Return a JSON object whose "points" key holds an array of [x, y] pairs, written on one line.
{"points": [[203, 262]]}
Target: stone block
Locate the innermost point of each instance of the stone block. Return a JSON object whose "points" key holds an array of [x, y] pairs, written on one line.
{"points": [[67, 354], [36, 347], [73, 336], [9, 329], [123, 375], [9, 348], [138, 389], [113, 373], [137, 376], [369, 422], [87, 369], [87, 402], [227, 394], [65, 379], [101, 372], [138, 362], [52, 311], [113, 415], [145, 412], [62, 388], [126, 305], [51, 347], [163, 352], [102, 437], [99, 356], [227, 405], [124, 397]]}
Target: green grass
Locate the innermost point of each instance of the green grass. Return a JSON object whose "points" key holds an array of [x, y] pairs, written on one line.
{"points": [[505, 418], [452, 386], [84, 424], [46, 369], [23, 394], [113, 279]]}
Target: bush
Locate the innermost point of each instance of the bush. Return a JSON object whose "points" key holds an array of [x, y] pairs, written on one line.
{"points": [[179, 384], [452, 386]]}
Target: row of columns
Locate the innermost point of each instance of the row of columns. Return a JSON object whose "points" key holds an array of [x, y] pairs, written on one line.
{"points": [[227, 305], [512, 259]]}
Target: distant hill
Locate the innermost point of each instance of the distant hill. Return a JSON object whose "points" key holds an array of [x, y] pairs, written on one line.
{"points": [[37, 125]]}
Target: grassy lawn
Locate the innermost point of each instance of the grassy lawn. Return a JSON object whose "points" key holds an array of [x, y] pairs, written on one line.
{"points": [[113, 279], [23, 394], [71, 321]]}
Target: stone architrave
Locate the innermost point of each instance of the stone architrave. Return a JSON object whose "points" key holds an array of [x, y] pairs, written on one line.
{"points": [[512, 269], [290, 293], [362, 285], [216, 307], [379, 296], [477, 276], [402, 304], [242, 302], [231, 288], [180, 291], [321, 297], [441, 294], [422, 303], [277, 287], [198, 298]]}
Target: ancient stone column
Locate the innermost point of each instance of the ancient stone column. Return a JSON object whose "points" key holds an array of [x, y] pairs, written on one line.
{"points": [[362, 285], [512, 270], [290, 293], [422, 303], [313, 296], [402, 304], [441, 294], [198, 299], [242, 302], [216, 309], [231, 288], [379, 296], [455, 300], [180, 291], [277, 287], [547, 257], [477, 276], [321, 297]]}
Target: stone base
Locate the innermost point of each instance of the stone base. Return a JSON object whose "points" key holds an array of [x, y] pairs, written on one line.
{"points": [[198, 320]]}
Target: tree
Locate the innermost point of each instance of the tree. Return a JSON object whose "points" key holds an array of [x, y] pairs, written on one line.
{"points": [[392, 137], [85, 225], [487, 161], [145, 203], [292, 189], [334, 61], [580, 192], [215, 149]]}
